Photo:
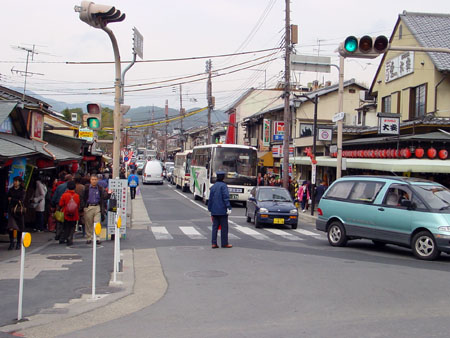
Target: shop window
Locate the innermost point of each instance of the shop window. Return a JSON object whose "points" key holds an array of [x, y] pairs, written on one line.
{"points": [[418, 100], [386, 104]]}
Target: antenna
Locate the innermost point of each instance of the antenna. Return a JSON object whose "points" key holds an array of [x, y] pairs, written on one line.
{"points": [[25, 73]]}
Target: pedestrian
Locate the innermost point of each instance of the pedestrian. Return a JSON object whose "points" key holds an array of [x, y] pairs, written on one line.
{"points": [[320, 190], [38, 202], [69, 203], [79, 189], [303, 195], [122, 174], [101, 181], [94, 201], [16, 211], [133, 182], [220, 207], [60, 190]]}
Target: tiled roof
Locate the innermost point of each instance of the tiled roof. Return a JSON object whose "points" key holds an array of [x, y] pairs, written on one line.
{"points": [[431, 30], [6, 107]]}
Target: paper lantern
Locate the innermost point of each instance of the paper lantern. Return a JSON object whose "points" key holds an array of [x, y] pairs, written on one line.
{"points": [[407, 153], [431, 152], [419, 152], [443, 154]]}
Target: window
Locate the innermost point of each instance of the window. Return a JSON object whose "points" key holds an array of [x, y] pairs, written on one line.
{"points": [[365, 191], [340, 190], [396, 194], [418, 99], [386, 104]]}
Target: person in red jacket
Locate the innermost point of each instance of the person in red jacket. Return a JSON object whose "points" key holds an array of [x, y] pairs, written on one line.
{"points": [[70, 204]]}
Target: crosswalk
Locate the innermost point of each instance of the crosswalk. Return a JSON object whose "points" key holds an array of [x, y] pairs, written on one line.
{"points": [[236, 232]]}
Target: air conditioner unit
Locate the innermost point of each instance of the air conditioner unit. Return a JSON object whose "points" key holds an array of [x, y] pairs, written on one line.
{"points": [[364, 96]]}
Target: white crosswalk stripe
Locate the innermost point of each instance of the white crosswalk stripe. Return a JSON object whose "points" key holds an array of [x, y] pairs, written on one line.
{"points": [[230, 235], [251, 232], [161, 233], [284, 234], [192, 233], [306, 232]]}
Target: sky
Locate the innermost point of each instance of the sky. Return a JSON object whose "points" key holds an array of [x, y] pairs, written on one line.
{"points": [[185, 29]]}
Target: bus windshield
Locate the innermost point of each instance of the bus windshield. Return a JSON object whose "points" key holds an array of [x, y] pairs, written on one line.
{"points": [[240, 165]]}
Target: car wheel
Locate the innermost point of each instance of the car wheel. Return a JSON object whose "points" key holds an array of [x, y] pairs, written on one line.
{"points": [[378, 244], [294, 226], [336, 234], [257, 223], [249, 219], [196, 197], [424, 246], [205, 201], [184, 189]]}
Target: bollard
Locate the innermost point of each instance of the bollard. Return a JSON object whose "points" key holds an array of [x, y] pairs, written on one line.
{"points": [[97, 231], [26, 241]]}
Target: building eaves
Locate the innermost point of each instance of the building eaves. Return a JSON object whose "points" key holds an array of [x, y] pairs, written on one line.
{"points": [[239, 100], [10, 94]]}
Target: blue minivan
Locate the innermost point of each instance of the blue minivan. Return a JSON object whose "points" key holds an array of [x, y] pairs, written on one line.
{"points": [[409, 212]]}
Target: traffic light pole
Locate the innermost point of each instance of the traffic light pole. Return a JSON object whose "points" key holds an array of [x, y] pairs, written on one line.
{"points": [[340, 122], [117, 97]]}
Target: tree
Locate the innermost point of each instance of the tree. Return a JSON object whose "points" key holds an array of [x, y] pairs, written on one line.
{"points": [[68, 114]]}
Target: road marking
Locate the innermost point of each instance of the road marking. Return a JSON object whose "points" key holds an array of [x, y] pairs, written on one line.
{"points": [[192, 201], [192, 233], [306, 232], [230, 235], [251, 232], [284, 234], [161, 233]]}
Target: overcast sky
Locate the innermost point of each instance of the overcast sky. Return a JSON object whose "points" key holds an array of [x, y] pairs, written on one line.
{"points": [[185, 28]]}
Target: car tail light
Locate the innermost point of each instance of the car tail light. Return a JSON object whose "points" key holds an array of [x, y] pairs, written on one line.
{"points": [[162, 175], [145, 174], [187, 174], [320, 212]]}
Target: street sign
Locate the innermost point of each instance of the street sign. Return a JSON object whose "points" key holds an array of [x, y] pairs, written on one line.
{"points": [[138, 43], [125, 159], [333, 149], [86, 134], [119, 188], [338, 116], [310, 63], [325, 134], [388, 124], [313, 173]]}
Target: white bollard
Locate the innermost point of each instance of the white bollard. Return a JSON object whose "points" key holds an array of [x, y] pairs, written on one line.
{"points": [[25, 243], [116, 238], [94, 258]]}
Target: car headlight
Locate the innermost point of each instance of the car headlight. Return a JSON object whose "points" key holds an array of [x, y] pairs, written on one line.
{"points": [[263, 210], [444, 229], [294, 211]]}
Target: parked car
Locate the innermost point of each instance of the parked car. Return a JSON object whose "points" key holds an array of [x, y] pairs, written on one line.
{"points": [[169, 175], [271, 205], [152, 172], [409, 212], [140, 166]]}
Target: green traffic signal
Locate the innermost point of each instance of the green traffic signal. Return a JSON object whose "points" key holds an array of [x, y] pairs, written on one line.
{"points": [[351, 44], [93, 123]]}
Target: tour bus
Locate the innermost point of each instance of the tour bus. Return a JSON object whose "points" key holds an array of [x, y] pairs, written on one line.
{"points": [[239, 163], [182, 170]]}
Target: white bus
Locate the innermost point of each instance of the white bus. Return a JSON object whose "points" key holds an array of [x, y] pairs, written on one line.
{"points": [[182, 170], [239, 163]]}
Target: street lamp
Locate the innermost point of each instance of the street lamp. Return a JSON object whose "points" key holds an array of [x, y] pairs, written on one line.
{"points": [[98, 16]]}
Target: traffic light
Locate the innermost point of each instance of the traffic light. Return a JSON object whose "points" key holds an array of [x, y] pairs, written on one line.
{"points": [[94, 116], [366, 47], [98, 16]]}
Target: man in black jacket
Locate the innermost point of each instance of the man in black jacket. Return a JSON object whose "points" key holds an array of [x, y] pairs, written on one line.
{"points": [[94, 206]]}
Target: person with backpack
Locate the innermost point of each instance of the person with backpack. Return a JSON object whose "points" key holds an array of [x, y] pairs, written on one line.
{"points": [[133, 182], [69, 203]]}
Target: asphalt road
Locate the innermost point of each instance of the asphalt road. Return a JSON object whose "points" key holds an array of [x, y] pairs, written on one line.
{"points": [[277, 282]]}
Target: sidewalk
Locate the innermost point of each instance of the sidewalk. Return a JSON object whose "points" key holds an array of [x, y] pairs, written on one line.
{"points": [[140, 284]]}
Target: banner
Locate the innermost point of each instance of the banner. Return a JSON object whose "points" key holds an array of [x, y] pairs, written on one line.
{"points": [[266, 133], [17, 169]]}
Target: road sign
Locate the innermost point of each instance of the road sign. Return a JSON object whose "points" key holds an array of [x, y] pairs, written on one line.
{"points": [[338, 116], [86, 134], [138, 44], [119, 188], [126, 159], [325, 134], [310, 63]]}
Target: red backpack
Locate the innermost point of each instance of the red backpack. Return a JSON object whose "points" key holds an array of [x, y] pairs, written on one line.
{"points": [[71, 208]]}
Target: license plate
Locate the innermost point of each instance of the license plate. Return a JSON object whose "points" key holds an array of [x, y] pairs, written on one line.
{"points": [[278, 221], [234, 196]]}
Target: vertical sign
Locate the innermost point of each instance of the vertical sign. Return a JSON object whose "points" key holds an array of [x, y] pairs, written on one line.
{"points": [[278, 130], [119, 188], [266, 133], [17, 169], [37, 125]]}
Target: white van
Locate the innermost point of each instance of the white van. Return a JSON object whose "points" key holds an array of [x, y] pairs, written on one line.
{"points": [[152, 172]]}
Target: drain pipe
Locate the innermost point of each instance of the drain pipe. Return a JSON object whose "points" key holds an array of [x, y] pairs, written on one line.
{"points": [[48, 151]]}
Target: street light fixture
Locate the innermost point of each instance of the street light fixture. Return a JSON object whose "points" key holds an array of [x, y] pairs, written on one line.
{"points": [[98, 16]]}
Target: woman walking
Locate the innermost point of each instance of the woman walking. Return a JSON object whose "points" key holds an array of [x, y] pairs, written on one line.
{"points": [[16, 211]]}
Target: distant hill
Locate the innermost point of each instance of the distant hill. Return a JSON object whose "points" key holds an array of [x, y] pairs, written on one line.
{"points": [[143, 114]]}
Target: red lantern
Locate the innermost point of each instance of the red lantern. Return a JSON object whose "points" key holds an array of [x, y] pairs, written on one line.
{"points": [[44, 163], [419, 152], [372, 153], [407, 153], [383, 153], [354, 153], [74, 167], [443, 154], [431, 152]]}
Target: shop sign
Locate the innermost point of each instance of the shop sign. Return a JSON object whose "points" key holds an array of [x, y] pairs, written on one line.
{"points": [[399, 66], [388, 124], [6, 126], [18, 168], [37, 125], [86, 134], [277, 151], [119, 188], [278, 130], [266, 132]]}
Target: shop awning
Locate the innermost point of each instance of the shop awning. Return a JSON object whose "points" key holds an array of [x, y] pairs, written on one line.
{"points": [[265, 158], [9, 149], [392, 165]]}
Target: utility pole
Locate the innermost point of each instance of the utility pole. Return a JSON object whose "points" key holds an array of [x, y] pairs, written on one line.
{"points": [[340, 123], [181, 120], [209, 98], [167, 124], [287, 110]]}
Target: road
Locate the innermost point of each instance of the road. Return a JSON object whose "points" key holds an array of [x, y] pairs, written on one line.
{"points": [[277, 282]]}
